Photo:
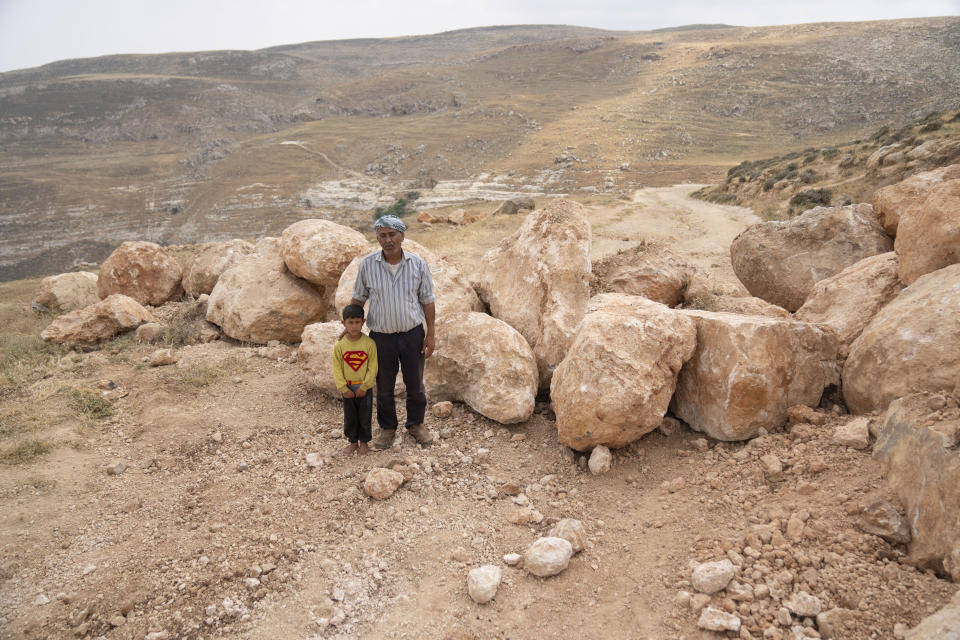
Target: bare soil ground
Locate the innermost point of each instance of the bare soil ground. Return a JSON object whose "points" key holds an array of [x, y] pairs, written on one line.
{"points": [[217, 527]]}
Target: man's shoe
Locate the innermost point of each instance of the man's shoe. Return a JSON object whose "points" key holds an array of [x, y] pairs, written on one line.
{"points": [[384, 439], [420, 434]]}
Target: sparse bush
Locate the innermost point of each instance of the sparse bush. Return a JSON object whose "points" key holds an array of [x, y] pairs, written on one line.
{"points": [[90, 404], [26, 451], [809, 199], [830, 153], [721, 198], [808, 177], [810, 158], [768, 184], [931, 126], [792, 166], [879, 134], [955, 118]]}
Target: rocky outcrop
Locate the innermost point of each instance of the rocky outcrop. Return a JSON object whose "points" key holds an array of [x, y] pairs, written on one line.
{"points": [[648, 271], [848, 301], [484, 363], [204, 269], [313, 355], [911, 345], [141, 270], [890, 202], [452, 291], [618, 376], [67, 292], [98, 322], [928, 237], [747, 371], [319, 250], [258, 300], [917, 443], [743, 305], [515, 205], [781, 261], [537, 281]]}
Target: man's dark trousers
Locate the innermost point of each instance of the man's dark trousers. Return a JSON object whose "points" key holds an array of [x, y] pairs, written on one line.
{"points": [[403, 352]]}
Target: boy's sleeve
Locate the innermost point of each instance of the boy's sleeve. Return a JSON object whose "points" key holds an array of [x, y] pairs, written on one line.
{"points": [[337, 362], [370, 379]]}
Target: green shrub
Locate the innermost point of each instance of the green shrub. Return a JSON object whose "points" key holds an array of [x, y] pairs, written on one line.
{"points": [[955, 118], [26, 451], [931, 126], [809, 199], [879, 134], [90, 404], [831, 153], [808, 177]]}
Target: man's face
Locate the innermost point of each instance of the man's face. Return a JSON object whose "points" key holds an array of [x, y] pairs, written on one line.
{"points": [[390, 240]]}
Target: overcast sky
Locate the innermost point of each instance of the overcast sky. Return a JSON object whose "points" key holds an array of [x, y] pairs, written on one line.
{"points": [[35, 32]]}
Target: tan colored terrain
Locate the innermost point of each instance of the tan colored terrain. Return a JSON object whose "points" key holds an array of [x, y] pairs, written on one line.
{"points": [[218, 527]]}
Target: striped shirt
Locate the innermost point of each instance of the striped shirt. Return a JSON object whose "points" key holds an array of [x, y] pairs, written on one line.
{"points": [[396, 301]]}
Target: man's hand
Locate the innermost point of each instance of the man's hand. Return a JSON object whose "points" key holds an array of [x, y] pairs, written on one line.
{"points": [[428, 345], [349, 394], [360, 393]]}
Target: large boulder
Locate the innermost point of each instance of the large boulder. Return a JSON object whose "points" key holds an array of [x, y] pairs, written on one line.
{"points": [[484, 363], [537, 280], [649, 271], [890, 201], [452, 292], [911, 345], [67, 292], [618, 376], [781, 261], [313, 355], [917, 443], [848, 301], [319, 250], [942, 624], [258, 300], [928, 237], [204, 268], [141, 270], [743, 305], [98, 322], [748, 370]]}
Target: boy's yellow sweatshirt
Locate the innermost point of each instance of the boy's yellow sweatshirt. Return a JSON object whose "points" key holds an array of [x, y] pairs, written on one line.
{"points": [[355, 363]]}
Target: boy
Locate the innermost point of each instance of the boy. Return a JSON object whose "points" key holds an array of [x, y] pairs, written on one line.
{"points": [[355, 373]]}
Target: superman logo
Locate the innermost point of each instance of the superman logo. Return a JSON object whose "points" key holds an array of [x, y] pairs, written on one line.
{"points": [[355, 359]]}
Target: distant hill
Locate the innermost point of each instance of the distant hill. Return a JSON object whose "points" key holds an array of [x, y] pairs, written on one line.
{"points": [[194, 146]]}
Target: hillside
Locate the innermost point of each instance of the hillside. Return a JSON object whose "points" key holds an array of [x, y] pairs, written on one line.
{"points": [[789, 184], [189, 147]]}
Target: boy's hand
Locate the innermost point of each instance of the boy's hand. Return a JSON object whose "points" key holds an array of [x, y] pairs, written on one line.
{"points": [[360, 393], [349, 394]]}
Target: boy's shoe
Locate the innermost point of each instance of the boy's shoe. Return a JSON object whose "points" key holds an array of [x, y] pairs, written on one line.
{"points": [[384, 439], [420, 433]]}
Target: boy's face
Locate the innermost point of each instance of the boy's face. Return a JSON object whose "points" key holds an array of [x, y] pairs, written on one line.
{"points": [[354, 327]]}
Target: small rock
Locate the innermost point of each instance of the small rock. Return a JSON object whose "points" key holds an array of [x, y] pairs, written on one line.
{"points": [[716, 620], [442, 409], [313, 460], [854, 434], [243, 466], [572, 531], [803, 604], [547, 556], [511, 488], [116, 468], [831, 623], [880, 518], [772, 467], [157, 635], [711, 577], [162, 357], [512, 559], [701, 444], [117, 621], [381, 483], [518, 437], [482, 583], [669, 426], [41, 600], [216, 437], [672, 486], [149, 332], [600, 460]]}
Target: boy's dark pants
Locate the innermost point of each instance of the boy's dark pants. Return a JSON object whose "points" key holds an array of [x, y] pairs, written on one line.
{"points": [[400, 351], [357, 413]]}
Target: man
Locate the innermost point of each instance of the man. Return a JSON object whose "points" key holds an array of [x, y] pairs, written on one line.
{"points": [[400, 290]]}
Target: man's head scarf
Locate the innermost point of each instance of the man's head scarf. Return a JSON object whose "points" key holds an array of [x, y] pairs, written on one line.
{"points": [[391, 222]]}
